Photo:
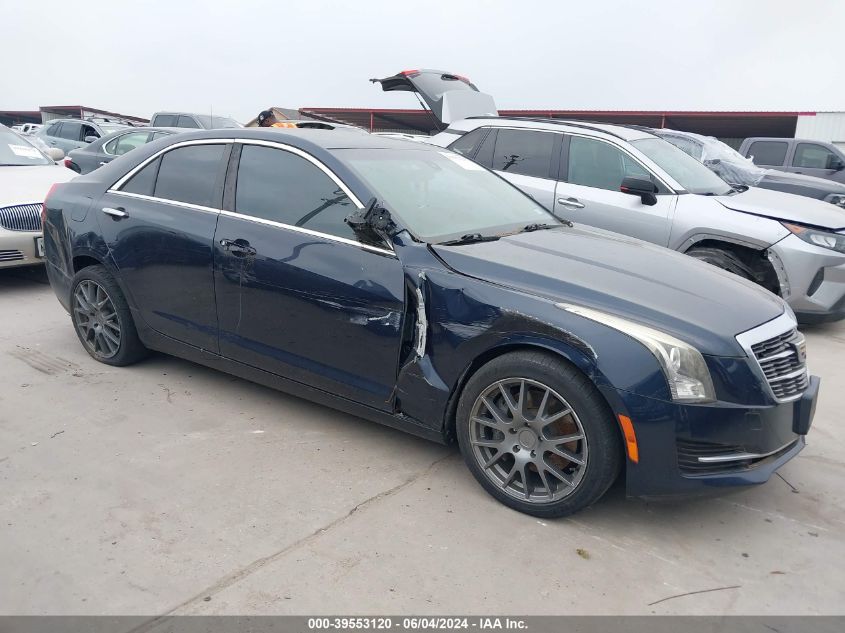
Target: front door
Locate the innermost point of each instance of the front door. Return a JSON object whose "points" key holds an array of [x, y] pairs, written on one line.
{"points": [[812, 159], [297, 293], [159, 227], [592, 171]]}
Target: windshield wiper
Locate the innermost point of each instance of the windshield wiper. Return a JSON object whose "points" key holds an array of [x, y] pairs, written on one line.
{"points": [[471, 238], [540, 226]]}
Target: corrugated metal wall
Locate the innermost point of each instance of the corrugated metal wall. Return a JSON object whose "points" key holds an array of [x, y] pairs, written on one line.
{"points": [[825, 126]]}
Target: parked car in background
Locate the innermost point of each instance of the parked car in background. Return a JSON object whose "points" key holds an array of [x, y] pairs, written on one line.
{"points": [[190, 120], [629, 181], [27, 128], [733, 167], [26, 175], [106, 149], [799, 156], [71, 134], [448, 305]]}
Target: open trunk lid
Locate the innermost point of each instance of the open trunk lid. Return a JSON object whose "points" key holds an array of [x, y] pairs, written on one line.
{"points": [[450, 97]]}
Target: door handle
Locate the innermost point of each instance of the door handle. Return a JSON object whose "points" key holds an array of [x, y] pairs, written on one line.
{"points": [[102, 162], [571, 203], [115, 213], [238, 248]]}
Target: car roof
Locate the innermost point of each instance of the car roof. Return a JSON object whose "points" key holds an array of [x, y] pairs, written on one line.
{"points": [[623, 132], [324, 139]]}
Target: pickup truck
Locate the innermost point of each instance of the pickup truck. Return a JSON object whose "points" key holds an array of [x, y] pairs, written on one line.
{"points": [[798, 156]]}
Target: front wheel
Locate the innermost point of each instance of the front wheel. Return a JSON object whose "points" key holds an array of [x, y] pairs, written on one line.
{"points": [[537, 435]]}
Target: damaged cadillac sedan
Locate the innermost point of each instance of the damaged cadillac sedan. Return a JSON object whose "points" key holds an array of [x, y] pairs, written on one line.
{"points": [[407, 285]]}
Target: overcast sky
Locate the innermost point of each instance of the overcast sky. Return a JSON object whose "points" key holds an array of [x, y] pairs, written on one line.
{"points": [[237, 58]]}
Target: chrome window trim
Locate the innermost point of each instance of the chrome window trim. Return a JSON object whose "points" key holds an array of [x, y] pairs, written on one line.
{"points": [[203, 141], [175, 203], [114, 189], [738, 457], [764, 332], [299, 229]]}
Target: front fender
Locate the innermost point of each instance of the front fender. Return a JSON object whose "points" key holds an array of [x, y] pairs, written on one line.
{"points": [[470, 322]]}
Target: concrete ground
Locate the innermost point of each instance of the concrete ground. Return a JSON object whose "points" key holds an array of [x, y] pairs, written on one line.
{"points": [[170, 488]]}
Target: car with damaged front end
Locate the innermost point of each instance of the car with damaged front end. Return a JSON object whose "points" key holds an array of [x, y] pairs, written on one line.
{"points": [[405, 284]]}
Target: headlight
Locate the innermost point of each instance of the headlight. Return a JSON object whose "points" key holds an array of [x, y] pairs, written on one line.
{"points": [[836, 198], [818, 237], [683, 365]]}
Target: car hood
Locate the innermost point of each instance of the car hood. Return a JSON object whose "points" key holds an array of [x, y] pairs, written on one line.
{"points": [[780, 205], [30, 184], [810, 182], [689, 299]]}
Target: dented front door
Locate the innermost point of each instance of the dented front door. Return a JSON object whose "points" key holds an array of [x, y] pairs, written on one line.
{"points": [[322, 312]]}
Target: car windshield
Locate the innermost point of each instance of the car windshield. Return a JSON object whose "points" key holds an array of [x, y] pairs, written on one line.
{"points": [[15, 150], [688, 172], [217, 122], [440, 195]]}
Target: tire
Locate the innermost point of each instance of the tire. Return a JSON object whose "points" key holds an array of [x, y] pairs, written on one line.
{"points": [[536, 423], [724, 260], [102, 319]]}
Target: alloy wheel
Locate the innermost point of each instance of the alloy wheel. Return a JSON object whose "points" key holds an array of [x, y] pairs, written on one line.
{"points": [[528, 440], [96, 319]]}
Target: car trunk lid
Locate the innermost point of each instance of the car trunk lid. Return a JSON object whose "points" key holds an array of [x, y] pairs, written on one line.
{"points": [[449, 96]]}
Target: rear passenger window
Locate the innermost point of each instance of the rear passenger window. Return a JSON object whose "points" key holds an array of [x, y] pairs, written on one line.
{"points": [[768, 152], [165, 120], [467, 143], [53, 130], [190, 174], [187, 121], [280, 186], [144, 181], [70, 130], [524, 152]]}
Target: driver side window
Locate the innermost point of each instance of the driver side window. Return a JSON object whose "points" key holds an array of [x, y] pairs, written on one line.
{"points": [[280, 186], [595, 163]]}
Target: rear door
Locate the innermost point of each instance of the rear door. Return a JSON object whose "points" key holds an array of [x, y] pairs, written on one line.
{"points": [[297, 293], [159, 226], [527, 158], [591, 173]]}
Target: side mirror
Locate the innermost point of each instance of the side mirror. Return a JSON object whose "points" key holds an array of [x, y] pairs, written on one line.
{"points": [[55, 153], [372, 221], [641, 187], [836, 164], [91, 138]]}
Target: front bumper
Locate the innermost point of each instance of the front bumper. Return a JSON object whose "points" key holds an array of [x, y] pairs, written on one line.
{"points": [[816, 280], [695, 449], [18, 248]]}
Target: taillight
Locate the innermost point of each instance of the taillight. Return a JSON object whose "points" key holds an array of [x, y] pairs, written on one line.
{"points": [[44, 205], [68, 162]]}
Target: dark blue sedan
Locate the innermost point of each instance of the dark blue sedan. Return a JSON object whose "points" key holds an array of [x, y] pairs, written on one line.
{"points": [[407, 285]]}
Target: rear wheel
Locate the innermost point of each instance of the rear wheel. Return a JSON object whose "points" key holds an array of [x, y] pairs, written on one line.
{"points": [[102, 319], [537, 435]]}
